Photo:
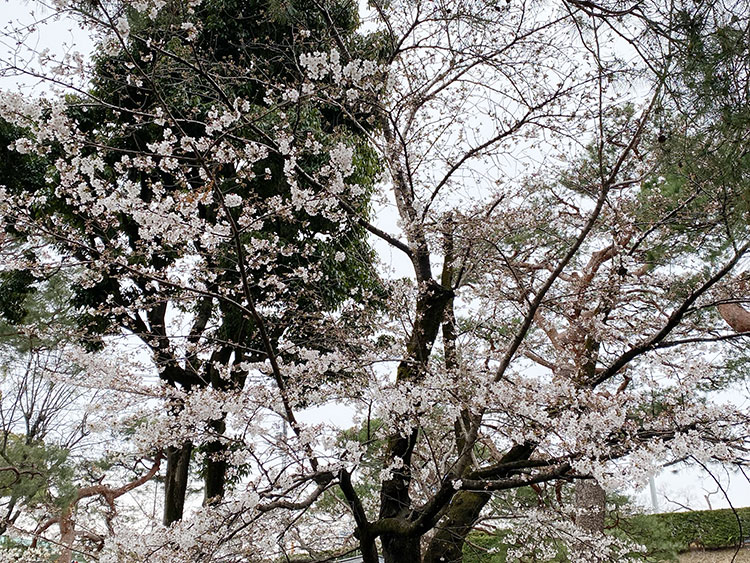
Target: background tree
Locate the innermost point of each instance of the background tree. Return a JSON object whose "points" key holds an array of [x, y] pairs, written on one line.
{"points": [[52, 458], [35, 399]]}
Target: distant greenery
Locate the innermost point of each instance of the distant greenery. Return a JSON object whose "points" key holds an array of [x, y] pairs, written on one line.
{"points": [[485, 548], [710, 529], [45, 551], [663, 535]]}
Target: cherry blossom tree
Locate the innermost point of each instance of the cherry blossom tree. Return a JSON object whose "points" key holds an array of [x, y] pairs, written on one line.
{"points": [[215, 182]]}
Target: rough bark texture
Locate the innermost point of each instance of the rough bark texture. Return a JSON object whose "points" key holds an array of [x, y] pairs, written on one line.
{"points": [[735, 316], [590, 512], [175, 486], [590, 505]]}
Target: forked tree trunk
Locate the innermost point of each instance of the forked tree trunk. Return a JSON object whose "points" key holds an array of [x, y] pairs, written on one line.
{"points": [[175, 486], [463, 513]]}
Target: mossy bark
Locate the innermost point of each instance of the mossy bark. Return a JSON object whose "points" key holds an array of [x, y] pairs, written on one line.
{"points": [[450, 536], [447, 544]]}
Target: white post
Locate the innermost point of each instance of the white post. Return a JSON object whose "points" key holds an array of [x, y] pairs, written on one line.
{"points": [[654, 499]]}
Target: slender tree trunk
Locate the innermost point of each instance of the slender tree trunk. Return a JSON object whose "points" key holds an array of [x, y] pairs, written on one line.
{"points": [[590, 497], [175, 487]]}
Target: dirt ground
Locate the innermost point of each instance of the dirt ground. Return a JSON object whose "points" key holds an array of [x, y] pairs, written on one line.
{"points": [[719, 556]]}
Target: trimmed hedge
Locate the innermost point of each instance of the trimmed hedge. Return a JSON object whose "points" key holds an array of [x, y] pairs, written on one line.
{"points": [[708, 529], [663, 535]]}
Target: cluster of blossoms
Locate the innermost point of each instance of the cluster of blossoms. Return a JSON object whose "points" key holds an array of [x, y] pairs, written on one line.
{"points": [[319, 66], [540, 534]]}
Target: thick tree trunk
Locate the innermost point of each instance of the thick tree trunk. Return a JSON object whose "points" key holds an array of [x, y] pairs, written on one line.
{"points": [[447, 544], [463, 513], [175, 486], [216, 466], [395, 502], [401, 550], [590, 512], [590, 505]]}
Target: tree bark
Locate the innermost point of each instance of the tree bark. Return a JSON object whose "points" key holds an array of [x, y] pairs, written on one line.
{"points": [[399, 549], [590, 505], [67, 536], [216, 466], [175, 486], [395, 500], [369, 551], [590, 512], [463, 513], [9, 516], [447, 544], [735, 316]]}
